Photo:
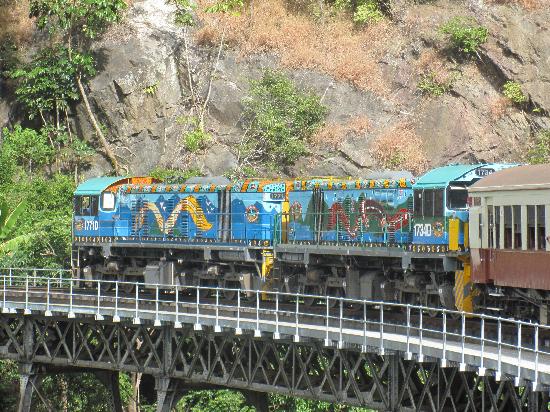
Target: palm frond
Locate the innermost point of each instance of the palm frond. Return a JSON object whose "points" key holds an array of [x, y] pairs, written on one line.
{"points": [[15, 243], [8, 222]]}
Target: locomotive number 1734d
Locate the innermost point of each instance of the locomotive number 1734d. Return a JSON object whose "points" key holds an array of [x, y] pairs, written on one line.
{"points": [[423, 229]]}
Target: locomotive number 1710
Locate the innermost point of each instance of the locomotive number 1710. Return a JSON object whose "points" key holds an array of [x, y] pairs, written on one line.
{"points": [[91, 225], [423, 229]]}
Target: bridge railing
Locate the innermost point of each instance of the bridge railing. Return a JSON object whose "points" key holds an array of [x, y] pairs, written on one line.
{"points": [[38, 277], [508, 346]]}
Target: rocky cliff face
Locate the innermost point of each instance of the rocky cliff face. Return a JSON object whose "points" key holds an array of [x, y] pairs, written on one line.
{"points": [[142, 92]]}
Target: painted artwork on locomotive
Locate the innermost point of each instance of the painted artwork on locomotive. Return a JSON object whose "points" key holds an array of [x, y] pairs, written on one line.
{"points": [[378, 213], [253, 216], [171, 215]]}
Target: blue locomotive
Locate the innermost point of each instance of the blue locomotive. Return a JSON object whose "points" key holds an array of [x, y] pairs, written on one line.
{"points": [[390, 238]]}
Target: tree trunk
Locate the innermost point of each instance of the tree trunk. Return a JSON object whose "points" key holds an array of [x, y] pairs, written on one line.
{"points": [[133, 404], [64, 394], [104, 143]]}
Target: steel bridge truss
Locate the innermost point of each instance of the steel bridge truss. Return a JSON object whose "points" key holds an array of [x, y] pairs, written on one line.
{"points": [[185, 358]]}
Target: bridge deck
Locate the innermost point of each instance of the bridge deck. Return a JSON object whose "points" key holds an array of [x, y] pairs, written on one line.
{"points": [[509, 349]]}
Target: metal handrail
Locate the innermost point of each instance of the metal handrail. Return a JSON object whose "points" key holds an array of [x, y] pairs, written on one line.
{"points": [[370, 321]]}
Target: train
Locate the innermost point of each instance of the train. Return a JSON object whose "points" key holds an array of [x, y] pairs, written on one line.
{"points": [[390, 237]]}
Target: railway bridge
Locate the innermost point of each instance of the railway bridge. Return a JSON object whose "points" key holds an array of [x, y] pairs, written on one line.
{"points": [[379, 355]]}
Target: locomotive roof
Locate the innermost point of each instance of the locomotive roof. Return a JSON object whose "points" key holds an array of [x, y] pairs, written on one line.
{"points": [[248, 185], [442, 176], [528, 177], [271, 186], [98, 185], [346, 183]]}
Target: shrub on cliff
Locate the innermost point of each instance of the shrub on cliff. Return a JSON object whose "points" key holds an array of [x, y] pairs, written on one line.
{"points": [[278, 120], [465, 34], [540, 150]]}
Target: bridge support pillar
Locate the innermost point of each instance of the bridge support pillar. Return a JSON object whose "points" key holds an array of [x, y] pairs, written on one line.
{"points": [[169, 392], [258, 400], [111, 382], [28, 382], [393, 384]]}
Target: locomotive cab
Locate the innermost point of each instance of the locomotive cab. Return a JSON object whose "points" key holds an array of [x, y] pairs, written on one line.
{"points": [[441, 206]]}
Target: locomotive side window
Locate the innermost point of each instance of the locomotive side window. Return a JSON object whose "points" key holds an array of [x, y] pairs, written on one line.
{"points": [[457, 197], [438, 202], [541, 227], [428, 203], [418, 212], [108, 201], [86, 205]]}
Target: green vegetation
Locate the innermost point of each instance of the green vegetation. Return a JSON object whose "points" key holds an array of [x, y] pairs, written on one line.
{"points": [[184, 12], [226, 6], [208, 400], [465, 34], [279, 118], [430, 85], [8, 219], [47, 85], [151, 90], [8, 56], [362, 12], [540, 151], [196, 139], [56, 76], [512, 90], [173, 175], [368, 12]]}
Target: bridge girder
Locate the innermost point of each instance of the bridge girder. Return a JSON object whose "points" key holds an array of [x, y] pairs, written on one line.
{"points": [[185, 359]]}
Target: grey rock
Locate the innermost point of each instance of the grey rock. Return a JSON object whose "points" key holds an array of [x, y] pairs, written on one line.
{"points": [[141, 93], [519, 48], [219, 160], [357, 151]]}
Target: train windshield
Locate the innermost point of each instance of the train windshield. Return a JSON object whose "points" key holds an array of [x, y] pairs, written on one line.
{"points": [[457, 197], [108, 201]]}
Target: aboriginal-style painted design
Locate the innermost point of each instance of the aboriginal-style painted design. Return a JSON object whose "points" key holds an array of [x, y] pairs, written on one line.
{"points": [[245, 186], [342, 184], [365, 216], [167, 223], [253, 215], [172, 215]]}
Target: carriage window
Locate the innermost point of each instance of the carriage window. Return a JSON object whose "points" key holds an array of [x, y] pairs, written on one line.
{"points": [[517, 227], [480, 227], [497, 227], [86, 205], [541, 227], [457, 197], [491, 222], [108, 201], [507, 227], [418, 203], [531, 227]]}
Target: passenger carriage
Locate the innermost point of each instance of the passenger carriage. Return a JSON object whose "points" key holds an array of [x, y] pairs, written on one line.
{"points": [[510, 241]]}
